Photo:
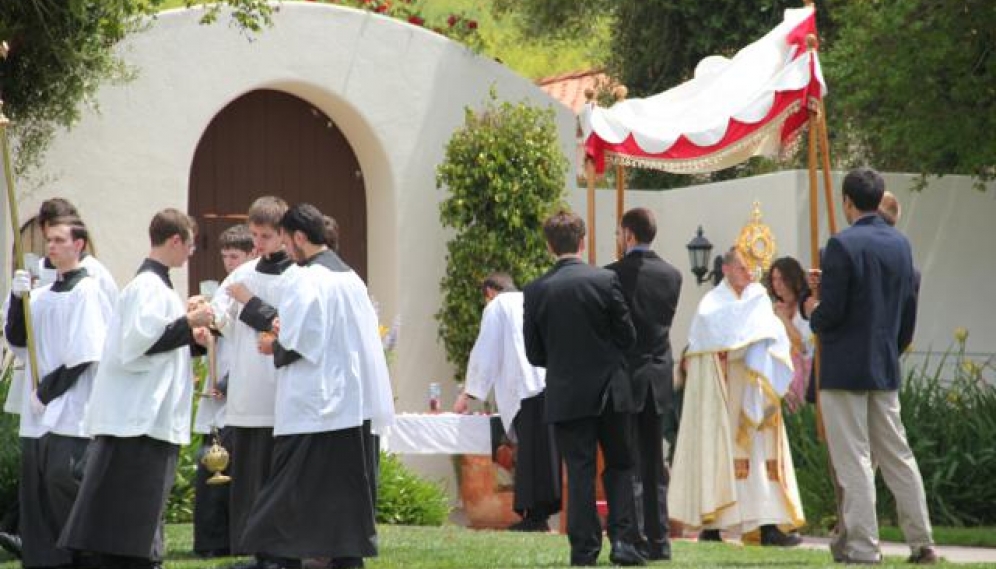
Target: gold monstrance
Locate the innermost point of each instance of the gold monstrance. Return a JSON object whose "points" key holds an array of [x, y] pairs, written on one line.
{"points": [[756, 244]]}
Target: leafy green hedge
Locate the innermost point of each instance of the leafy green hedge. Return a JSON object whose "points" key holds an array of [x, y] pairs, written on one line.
{"points": [[10, 447], [504, 173], [949, 411], [404, 498]]}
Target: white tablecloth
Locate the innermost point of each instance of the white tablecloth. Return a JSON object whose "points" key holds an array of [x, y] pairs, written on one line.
{"points": [[439, 433]]}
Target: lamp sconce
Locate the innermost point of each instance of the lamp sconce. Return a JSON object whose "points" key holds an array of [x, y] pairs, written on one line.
{"points": [[699, 251]]}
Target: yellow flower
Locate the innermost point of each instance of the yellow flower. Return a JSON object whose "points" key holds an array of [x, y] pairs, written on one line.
{"points": [[961, 334]]}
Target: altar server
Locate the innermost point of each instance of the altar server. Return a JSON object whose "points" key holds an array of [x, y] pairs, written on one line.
{"points": [[211, 502], [69, 318], [139, 412], [498, 360], [244, 308], [318, 502]]}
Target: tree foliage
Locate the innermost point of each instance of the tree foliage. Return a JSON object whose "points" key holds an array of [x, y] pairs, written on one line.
{"points": [[505, 173], [913, 86], [61, 51], [912, 83]]}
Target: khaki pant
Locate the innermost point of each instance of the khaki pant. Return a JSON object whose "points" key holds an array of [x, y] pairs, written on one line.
{"points": [[862, 427]]}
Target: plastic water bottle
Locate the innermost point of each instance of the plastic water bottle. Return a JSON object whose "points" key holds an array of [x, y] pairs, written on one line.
{"points": [[435, 398]]}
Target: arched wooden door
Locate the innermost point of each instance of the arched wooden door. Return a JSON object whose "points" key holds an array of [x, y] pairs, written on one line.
{"points": [[272, 143]]}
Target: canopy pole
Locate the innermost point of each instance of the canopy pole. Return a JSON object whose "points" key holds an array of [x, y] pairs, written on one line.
{"points": [[827, 182], [589, 170], [16, 225], [589, 174], [620, 93], [814, 232]]}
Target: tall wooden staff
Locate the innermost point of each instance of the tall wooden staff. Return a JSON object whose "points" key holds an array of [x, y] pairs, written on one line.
{"points": [[16, 224]]}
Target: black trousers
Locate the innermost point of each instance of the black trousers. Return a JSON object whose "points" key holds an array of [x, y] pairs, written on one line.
{"points": [[651, 475], [578, 441]]}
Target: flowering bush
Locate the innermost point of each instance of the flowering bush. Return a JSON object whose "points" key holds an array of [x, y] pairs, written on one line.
{"points": [[457, 27], [949, 411]]}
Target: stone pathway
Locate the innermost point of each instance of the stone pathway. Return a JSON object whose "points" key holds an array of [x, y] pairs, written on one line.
{"points": [[952, 553]]}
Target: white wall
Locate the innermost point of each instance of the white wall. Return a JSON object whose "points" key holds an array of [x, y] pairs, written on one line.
{"points": [[396, 91], [950, 226]]}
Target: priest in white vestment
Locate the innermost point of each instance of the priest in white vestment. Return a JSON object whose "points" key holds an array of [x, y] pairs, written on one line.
{"points": [[498, 360], [732, 467]]}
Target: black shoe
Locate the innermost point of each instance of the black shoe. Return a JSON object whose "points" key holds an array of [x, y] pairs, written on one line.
{"points": [[772, 536], [530, 524], [11, 543], [710, 535], [626, 555], [924, 556], [584, 560], [346, 563], [659, 551]]}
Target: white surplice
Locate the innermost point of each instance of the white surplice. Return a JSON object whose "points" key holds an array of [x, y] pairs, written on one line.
{"points": [[69, 329], [732, 467], [109, 290], [252, 381], [498, 359], [135, 394]]}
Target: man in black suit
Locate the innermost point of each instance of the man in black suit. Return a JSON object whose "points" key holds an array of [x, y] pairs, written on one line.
{"points": [[651, 287], [864, 310], [576, 325]]}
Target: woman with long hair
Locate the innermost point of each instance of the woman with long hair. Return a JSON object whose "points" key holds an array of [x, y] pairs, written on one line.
{"points": [[786, 283]]}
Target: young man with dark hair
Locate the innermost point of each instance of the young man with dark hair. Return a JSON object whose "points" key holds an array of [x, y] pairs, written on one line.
{"points": [[139, 410], [331, 380], [244, 308], [498, 360], [47, 274], [577, 325], [651, 286], [211, 502], [70, 317], [864, 310]]}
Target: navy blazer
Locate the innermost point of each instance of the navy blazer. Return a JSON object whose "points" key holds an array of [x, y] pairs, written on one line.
{"points": [[576, 324], [867, 308], [651, 286]]}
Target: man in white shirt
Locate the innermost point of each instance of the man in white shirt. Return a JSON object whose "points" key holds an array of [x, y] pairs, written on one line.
{"points": [[318, 500], [139, 411], [69, 318], [498, 360]]}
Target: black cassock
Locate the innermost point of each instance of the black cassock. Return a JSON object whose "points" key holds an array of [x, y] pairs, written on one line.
{"points": [[49, 484], [121, 504], [317, 501], [537, 465]]}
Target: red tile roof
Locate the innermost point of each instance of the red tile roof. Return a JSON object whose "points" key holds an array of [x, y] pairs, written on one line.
{"points": [[569, 88]]}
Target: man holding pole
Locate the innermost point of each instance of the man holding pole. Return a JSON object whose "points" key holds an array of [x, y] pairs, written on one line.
{"points": [[864, 310], [71, 316]]}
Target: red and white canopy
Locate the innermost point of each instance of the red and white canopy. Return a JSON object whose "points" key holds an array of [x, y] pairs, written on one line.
{"points": [[753, 104]]}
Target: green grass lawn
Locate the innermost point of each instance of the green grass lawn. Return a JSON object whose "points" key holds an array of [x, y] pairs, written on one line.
{"points": [[452, 547], [982, 536]]}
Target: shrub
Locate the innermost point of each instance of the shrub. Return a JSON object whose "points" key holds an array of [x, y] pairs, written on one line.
{"points": [[505, 174], [406, 499], [949, 412], [10, 446]]}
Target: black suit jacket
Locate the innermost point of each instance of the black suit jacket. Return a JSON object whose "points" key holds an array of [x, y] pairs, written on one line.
{"points": [[651, 287], [576, 325], [867, 308]]}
